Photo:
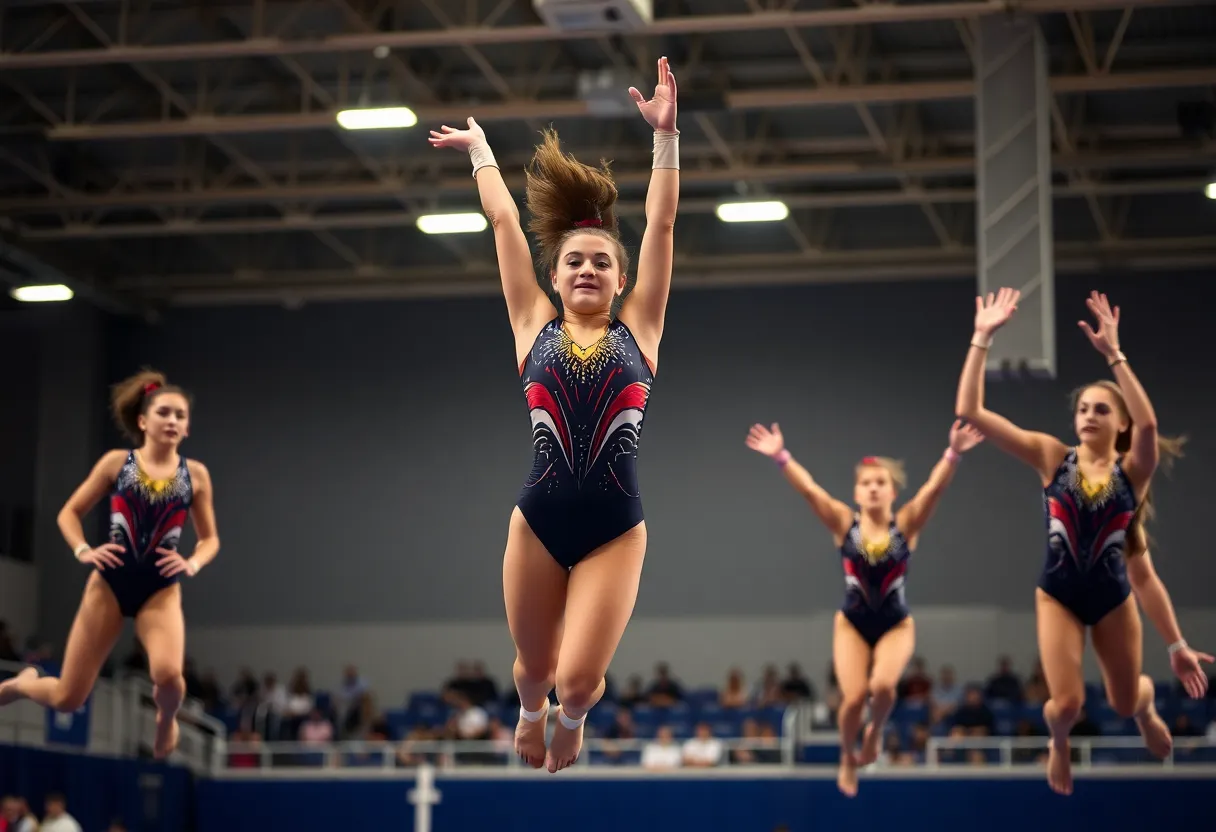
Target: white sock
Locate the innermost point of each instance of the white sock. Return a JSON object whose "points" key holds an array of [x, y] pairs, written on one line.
{"points": [[533, 716], [569, 723]]}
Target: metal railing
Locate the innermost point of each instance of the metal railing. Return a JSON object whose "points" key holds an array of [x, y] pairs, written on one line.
{"points": [[122, 722], [1082, 749]]}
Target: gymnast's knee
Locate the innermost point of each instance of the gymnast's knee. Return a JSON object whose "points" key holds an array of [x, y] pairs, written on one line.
{"points": [[577, 689]]}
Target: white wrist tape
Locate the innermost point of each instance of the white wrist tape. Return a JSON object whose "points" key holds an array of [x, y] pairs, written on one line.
{"points": [[666, 151], [1180, 644], [481, 156], [81, 549]]}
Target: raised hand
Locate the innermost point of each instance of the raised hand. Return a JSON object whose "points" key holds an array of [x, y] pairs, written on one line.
{"points": [[105, 555], [459, 139], [992, 312], [660, 111], [1106, 339], [767, 441], [964, 437], [1186, 666]]}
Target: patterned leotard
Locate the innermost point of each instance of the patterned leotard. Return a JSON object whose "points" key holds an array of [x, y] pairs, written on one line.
{"points": [[1087, 527], [874, 577], [145, 514], [586, 406]]}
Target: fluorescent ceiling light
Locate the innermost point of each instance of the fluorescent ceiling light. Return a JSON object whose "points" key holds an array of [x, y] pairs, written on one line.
{"points": [[42, 294], [452, 223], [752, 211], [377, 118], [1210, 190]]}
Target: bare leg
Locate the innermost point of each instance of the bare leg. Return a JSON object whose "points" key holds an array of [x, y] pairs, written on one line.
{"points": [[534, 588], [891, 656], [599, 603], [851, 657], [1118, 641], [96, 629], [162, 630], [1061, 644]]}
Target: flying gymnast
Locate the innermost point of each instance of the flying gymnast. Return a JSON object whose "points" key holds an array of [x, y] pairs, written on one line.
{"points": [[874, 631], [1096, 498], [137, 573], [576, 538]]}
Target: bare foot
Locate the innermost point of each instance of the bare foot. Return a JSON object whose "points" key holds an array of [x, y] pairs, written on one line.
{"points": [[167, 733], [869, 745], [530, 739], [1155, 732], [566, 745], [846, 780], [1059, 767], [8, 688]]}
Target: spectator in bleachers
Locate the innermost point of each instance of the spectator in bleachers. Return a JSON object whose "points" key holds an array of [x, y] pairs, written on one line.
{"points": [[768, 689], [316, 729], [57, 818], [796, 686], [917, 685], [8, 650], [1004, 684], [459, 684], [15, 815], [748, 731], [468, 721], [622, 728], [973, 715], [893, 751], [770, 752], [244, 691], [300, 701], [246, 758], [734, 695], [1035, 691], [633, 693], [703, 749], [350, 700], [664, 691], [662, 753], [920, 743], [481, 687], [946, 694]]}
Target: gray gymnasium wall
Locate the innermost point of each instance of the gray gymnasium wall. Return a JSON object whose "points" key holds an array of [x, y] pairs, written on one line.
{"points": [[366, 457]]}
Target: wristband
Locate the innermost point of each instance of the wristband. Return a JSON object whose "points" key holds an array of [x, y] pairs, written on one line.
{"points": [[981, 342], [782, 457], [952, 455], [666, 151], [1119, 358], [1180, 644], [481, 156], [191, 568], [81, 549]]}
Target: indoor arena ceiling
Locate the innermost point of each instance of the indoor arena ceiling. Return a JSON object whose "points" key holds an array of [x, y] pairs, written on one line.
{"points": [[156, 152]]}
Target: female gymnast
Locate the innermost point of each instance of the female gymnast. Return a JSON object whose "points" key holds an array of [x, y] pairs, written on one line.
{"points": [[576, 538], [135, 574], [874, 632], [1096, 499]]}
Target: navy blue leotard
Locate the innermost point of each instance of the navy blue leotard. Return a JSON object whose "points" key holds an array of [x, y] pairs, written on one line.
{"points": [[874, 599], [1087, 527], [586, 406], [145, 514]]}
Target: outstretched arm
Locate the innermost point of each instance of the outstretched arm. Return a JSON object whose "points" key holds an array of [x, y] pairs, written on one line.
{"points": [[1155, 599], [647, 304], [916, 513], [525, 300], [1038, 450], [1143, 456], [834, 514]]}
